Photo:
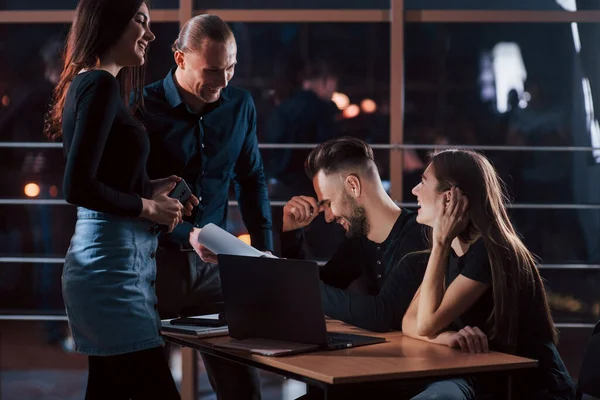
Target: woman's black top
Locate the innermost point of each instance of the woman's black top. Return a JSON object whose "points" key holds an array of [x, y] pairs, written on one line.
{"points": [[106, 147], [551, 379]]}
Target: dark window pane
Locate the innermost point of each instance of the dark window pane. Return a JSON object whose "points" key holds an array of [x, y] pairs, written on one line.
{"points": [[502, 84], [25, 46], [164, 4], [68, 4], [483, 5], [36, 230], [573, 294], [31, 288], [408, 4], [38, 5], [559, 236], [270, 54], [291, 4], [271, 57]]}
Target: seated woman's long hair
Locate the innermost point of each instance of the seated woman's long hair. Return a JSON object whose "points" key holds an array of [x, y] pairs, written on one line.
{"points": [[515, 277]]}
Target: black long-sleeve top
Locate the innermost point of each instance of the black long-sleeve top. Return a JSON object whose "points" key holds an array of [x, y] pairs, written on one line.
{"points": [[105, 146], [367, 284]]}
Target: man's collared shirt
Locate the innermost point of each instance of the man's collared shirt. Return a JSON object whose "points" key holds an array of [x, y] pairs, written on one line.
{"points": [[209, 150]]}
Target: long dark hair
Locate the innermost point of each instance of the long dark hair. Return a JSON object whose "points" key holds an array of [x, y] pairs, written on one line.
{"points": [[515, 277], [98, 25]]}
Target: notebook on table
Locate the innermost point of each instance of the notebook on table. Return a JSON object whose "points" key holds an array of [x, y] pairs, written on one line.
{"points": [[194, 331]]}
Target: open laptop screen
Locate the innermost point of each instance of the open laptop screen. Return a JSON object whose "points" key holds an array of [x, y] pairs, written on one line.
{"points": [[275, 299]]}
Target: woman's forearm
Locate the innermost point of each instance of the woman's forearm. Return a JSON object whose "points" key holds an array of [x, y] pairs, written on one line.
{"points": [[441, 338], [432, 290]]}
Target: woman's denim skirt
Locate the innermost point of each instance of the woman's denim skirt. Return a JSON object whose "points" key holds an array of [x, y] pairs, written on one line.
{"points": [[108, 284]]}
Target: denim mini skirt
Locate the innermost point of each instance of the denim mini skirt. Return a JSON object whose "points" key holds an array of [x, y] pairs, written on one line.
{"points": [[108, 284]]}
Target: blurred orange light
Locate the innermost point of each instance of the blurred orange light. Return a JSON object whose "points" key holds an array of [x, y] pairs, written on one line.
{"points": [[5, 101], [245, 238], [32, 190], [368, 106], [352, 111], [53, 191], [341, 100]]}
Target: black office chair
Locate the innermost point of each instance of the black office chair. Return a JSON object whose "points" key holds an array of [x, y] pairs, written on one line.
{"points": [[589, 374]]}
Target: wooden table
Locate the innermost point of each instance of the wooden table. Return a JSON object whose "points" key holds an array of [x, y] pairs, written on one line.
{"points": [[400, 358]]}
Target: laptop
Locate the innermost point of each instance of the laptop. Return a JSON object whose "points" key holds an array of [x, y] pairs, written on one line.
{"points": [[278, 300]]}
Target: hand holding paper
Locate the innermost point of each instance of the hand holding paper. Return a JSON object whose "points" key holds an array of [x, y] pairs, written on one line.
{"points": [[211, 241], [205, 254]]}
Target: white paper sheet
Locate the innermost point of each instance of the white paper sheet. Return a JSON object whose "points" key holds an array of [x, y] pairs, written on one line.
{"points": [[219, 241]]}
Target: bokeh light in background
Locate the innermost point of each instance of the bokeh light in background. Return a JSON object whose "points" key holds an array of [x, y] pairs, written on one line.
{"points": [[341, 100], [53, 190], [245, 238], [368, 106], [351, 111], [31, 190]]}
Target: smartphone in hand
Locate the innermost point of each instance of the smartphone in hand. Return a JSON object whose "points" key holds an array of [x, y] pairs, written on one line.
{"points": [[181, 192]]}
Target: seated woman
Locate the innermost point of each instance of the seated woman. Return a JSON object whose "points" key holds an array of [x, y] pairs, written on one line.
{"points": [[481, 289]]}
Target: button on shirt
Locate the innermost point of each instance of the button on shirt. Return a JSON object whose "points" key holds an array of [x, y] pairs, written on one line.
{"points": [[209, 151]]}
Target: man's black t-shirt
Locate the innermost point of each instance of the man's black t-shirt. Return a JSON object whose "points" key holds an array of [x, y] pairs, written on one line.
{"points": [[368, 284]]}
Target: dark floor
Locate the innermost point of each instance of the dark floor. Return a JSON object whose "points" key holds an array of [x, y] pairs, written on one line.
{"points": [[31, 369], [34, 370]]}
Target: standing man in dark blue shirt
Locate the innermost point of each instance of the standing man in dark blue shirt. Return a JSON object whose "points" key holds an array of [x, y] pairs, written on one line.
{"points": [[205, 131]]}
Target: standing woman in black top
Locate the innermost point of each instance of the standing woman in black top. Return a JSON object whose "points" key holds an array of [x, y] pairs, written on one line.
{"points": [[109, 271], [481, 289]]}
